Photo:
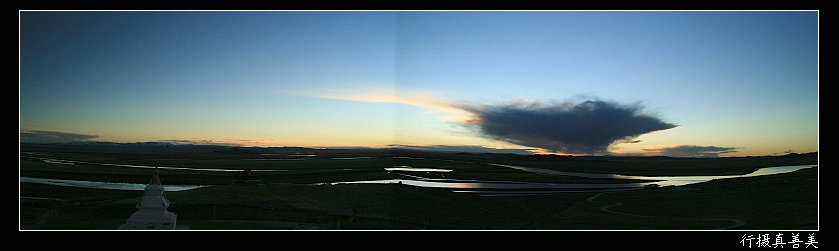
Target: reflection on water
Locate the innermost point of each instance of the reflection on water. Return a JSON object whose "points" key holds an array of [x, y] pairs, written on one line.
{"points": [[411, 169], [488, 188], [664, 180], [302, 155], [500, 188], [352, 158], [574, 174]]}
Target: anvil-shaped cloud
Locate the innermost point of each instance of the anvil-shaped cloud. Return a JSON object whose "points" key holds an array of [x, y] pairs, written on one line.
{"points": [[587, 127]]}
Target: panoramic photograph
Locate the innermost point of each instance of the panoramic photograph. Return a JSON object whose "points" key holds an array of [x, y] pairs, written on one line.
{"points": [[421, 120]]}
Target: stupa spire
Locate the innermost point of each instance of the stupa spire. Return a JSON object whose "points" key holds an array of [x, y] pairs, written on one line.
{"points": [[155, 180]]}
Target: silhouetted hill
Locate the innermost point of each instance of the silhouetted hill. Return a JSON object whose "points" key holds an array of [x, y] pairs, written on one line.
{"points": [[236, 151], [137, 146]]}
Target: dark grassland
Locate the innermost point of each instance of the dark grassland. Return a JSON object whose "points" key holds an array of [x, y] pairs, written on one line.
{"points": [[783, 201]]}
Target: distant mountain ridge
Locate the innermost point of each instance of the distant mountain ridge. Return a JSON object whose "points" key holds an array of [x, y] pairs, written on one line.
{"points": [[153, 145], [237, 151], [168, 146], [231, 149]]}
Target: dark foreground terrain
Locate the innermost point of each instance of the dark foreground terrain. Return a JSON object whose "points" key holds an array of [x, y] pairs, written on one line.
{"points": [[290, 187]]}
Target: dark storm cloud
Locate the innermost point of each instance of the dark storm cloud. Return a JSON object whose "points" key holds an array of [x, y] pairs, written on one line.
{"points": [[693, 151], [589, 127], [52, 137]]}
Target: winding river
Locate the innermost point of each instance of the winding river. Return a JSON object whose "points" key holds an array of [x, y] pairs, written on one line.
{"points": [[482, 187]]}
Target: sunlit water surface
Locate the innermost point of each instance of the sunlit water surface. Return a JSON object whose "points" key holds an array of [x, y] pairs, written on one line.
{"points": [[489, 188]]}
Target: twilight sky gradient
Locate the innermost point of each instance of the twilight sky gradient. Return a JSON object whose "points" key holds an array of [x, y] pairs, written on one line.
{"points": [[674, 83]]}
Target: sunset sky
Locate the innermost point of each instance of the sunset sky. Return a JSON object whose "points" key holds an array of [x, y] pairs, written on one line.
{"points": [[673, 83]]}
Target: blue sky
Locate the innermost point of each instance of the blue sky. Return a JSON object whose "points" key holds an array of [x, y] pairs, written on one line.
{"points": [[676, 83]]}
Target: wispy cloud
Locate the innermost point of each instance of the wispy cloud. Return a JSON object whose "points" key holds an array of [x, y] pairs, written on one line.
{"points": [[227, 142], [691, 151], [451, 110], [37, 136]]}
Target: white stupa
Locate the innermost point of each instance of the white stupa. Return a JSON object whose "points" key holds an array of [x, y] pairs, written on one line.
{"points": [[152, 213]]}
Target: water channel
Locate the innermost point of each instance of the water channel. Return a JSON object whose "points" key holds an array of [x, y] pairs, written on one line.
{"points": [[486, 188], [507, 188]]}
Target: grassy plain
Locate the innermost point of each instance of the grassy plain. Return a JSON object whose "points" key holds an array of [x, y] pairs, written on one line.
{"points": [[288, 191]]}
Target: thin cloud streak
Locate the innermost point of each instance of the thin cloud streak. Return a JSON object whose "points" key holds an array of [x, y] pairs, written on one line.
{"points": [[430, 100], [38, 136], [48, 137], [223, 142], [692, 151]]}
